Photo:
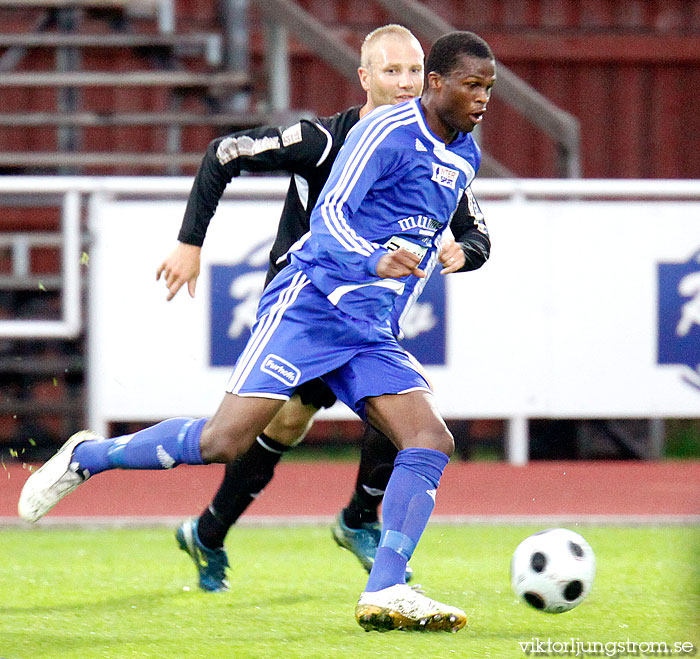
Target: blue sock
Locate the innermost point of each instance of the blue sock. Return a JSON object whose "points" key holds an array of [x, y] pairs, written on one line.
{"points": [[163, 446], [408, 503]]}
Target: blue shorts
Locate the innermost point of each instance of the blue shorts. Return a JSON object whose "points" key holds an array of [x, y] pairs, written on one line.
{"points": [[299, 335]]}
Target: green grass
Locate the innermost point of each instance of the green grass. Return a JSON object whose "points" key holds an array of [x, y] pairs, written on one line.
{"points": [[130, 593]]}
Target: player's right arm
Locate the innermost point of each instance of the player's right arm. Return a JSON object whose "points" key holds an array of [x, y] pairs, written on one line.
{"points": [[399, 263], [292, 149]]}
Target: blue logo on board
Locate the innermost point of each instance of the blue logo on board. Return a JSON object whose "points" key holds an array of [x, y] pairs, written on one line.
{"points": [[235, 292], [424, 325], [679, 317]]}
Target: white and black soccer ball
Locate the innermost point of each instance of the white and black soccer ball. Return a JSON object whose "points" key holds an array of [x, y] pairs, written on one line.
{"points": [[553, 570]]}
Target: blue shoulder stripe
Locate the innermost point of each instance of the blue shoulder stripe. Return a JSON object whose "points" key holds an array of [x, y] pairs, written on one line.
{"points": [[331, 209]]}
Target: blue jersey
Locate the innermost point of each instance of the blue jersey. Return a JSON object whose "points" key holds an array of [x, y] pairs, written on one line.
{"points": [[394, 184]]}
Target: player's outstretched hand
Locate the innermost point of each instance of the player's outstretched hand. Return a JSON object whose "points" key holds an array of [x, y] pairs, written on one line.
{"points": [[399, 263], [451, 257], [182, 266]]}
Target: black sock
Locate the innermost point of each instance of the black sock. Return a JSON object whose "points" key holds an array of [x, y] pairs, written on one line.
{"points": [[376, 465], [243, 480], [354, 515]]}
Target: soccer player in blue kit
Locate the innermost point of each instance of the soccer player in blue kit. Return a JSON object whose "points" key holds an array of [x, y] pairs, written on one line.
{"points": [[374, 234], [391, 71]]}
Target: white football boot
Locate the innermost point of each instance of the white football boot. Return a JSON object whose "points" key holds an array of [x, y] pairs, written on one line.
{"points": [[53, 481], [403, 607]]}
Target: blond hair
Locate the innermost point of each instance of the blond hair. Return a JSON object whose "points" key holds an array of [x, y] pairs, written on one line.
{"points": [[391, 30]]}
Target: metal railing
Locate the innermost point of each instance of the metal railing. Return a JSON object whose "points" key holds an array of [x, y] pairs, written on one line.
{"points": [[555, 122], [164, 10], [70, 324]]}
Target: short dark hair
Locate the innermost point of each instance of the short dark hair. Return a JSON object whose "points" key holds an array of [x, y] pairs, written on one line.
{"points": [[446, 50]]}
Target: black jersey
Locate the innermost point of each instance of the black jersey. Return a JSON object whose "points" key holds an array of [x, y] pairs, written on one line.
{"points": [[306, 150]]}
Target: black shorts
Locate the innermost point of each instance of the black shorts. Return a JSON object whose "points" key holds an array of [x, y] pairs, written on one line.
{"points": [[317, 393]]}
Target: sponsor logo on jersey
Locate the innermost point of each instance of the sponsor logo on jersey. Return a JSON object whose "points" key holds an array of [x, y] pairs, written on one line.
{"points": [[679, 317], [281, 369], [425, 225], [397, 242], [445, 176], [235, 292], [291, 135]]}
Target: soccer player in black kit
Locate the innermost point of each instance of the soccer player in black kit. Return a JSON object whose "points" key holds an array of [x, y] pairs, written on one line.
{"points": [[391, 71]]}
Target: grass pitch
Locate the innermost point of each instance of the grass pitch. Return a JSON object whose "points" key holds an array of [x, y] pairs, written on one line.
{"points": [[81, 594]]}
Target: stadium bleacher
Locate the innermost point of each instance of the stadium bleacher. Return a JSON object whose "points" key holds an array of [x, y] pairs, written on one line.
{"points": [[64, 69]]}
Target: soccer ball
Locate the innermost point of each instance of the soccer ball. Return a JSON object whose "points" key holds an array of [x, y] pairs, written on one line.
{"points": [[553, 570]]}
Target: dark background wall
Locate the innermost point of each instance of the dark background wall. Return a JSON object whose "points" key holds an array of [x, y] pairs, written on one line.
{"points": [[629, 70]]}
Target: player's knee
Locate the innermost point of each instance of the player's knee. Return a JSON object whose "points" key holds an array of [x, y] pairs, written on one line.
{"points": [[222, 443], [289, 426], [447, 443], [439, 440]]}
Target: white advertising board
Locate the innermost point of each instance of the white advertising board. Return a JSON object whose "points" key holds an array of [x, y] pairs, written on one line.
{"points": [[585, 309]]}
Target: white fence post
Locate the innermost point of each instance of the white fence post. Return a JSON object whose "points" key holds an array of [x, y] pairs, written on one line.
{"points": [[518, 441]]}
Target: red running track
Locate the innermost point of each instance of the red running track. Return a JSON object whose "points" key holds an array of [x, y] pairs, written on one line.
{"points": [[319, 489]]}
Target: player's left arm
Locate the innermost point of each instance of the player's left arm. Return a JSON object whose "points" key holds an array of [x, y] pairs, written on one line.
{"points": [[471, 247]]}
